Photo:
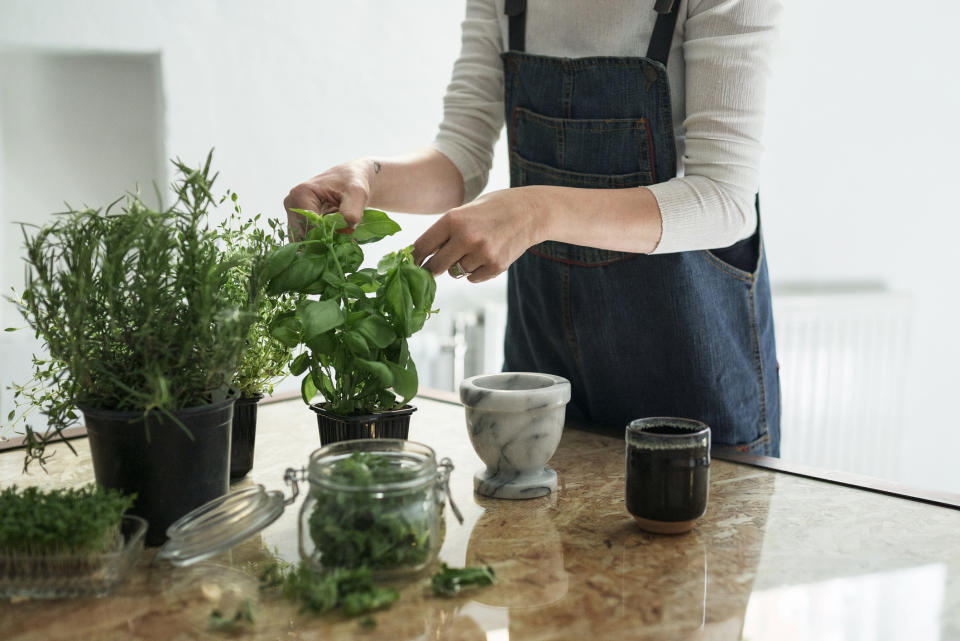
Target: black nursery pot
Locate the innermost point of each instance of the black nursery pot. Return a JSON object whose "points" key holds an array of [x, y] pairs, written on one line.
{"points": [[244, 436], [337, 427], [172, 472]]}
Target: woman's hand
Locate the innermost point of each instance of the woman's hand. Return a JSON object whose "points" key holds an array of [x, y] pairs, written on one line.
{"points": [[484, 236], [344, 188]]}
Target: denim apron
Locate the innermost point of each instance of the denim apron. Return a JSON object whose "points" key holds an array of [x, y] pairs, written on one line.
{"points": [[686, 334]]}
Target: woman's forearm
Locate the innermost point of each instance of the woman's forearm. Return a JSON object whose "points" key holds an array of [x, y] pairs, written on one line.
{"points": [[625, 220], [485, 236], [422, 182]]}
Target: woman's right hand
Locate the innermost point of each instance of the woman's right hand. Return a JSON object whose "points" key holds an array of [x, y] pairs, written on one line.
{"points": [[344, 188]]}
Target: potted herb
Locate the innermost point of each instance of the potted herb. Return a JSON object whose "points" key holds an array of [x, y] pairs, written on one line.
{"points": [[144, 336], [264, 359], [355, 335]]}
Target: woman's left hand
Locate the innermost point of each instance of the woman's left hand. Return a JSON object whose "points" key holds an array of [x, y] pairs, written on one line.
{"points": [[484, 236]]}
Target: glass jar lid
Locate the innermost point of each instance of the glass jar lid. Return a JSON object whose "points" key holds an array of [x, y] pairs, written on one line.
{"points": [[401, 465], [220, 524]]}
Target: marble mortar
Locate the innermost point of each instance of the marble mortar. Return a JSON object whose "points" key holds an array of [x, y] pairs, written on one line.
{"points": [[515, 420]]}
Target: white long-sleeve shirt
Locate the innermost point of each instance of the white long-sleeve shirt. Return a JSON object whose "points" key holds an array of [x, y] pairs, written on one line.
{"points": [[718, 69]]}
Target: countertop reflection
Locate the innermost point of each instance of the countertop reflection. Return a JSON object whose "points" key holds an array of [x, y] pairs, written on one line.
{"points": [[776, 556]]}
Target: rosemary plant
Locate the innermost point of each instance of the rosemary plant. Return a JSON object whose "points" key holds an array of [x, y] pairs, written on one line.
{"points": [[138, 308]]}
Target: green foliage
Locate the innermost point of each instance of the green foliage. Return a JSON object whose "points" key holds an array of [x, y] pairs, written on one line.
{"points": [[264, 358], [375, 529], [449, 581], [244, 617], [139, 309], [351, 590], [68, 521], [356, 332]]}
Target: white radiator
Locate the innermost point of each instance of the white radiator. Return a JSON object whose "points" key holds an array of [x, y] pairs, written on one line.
{"points": [[843, 352]]}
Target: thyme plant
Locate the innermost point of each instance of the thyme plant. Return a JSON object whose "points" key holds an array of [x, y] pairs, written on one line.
{"points": [[264, 359]]}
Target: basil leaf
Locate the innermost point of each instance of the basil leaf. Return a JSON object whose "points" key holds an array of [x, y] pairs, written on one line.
{"points": [[300, 364], [367, 276], [350, 256], [278, 260], [319, 317], [376, 369], [307, 389], [323, 344], [286, 329], [374, 225], [388, 263], [416, 321], [350, 290], [310, 215], [376, 330], [326, 387], [302, 271], [335, 221], [404, 380], [333, 278], [396, 297], [356, 344]]}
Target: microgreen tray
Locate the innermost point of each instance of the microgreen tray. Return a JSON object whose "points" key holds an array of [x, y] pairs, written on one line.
{"points": [[51, 576]]}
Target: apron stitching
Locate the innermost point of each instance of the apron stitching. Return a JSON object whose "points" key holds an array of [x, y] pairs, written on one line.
{"points": [[569, 329], [569, 81], [614, 181], [577, 263], [653, 163], [561, 145], [755, 339], [722, 266]]}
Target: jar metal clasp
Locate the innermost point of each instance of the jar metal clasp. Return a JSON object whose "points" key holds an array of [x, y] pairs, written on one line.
{"points": [[292, 477], [443, 477]]}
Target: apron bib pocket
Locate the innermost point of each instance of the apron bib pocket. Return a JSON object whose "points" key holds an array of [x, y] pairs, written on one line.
{"points": [[574, 145]]}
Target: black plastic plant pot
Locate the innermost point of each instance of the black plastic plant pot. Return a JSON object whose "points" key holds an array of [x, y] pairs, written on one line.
{"points": [[337, 427], [244, 436], [171, 471]]}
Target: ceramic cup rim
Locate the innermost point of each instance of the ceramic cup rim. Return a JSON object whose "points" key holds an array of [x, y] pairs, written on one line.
{"points": [[637, 427]]}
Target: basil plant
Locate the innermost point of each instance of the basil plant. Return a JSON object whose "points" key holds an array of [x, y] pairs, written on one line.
{"points": [[352, 323]]}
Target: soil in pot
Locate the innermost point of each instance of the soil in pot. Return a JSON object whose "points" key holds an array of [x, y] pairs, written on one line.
{"points": [[244, 436], [337, 427], [171, 471]]}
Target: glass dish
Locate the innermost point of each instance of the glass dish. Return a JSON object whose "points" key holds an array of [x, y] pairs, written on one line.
{"points": [[52, 576]]}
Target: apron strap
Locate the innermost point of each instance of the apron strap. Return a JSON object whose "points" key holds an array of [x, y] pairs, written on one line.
{"points": [[659, 48], [517, 11]]}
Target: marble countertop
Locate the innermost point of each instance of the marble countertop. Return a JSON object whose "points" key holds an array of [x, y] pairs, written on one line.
{"points": [[775, 557]]}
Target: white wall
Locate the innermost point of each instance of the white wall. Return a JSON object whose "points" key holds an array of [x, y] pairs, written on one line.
{"points": [[859, 183], [861, 129], [75, 129], [282, 90]]}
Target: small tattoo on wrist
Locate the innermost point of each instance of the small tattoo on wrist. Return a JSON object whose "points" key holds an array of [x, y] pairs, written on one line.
{"points": [[377, 167]]}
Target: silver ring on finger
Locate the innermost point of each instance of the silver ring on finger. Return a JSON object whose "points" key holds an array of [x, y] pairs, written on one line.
{"points": [[457, 271]]}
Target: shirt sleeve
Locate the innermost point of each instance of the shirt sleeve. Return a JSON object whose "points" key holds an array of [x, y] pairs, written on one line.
{"points": [[473, 104], [726, 48]]}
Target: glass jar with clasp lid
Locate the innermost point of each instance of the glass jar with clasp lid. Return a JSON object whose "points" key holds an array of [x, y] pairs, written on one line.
{"points": [[373, 502]]}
